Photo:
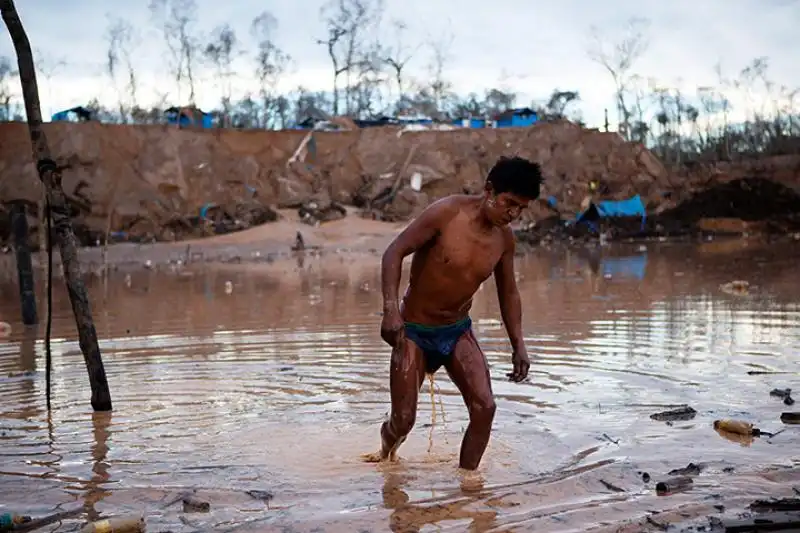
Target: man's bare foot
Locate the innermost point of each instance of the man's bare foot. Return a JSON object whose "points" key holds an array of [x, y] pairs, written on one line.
{"points": [[470, 480], [384, 456], [374, 457]]}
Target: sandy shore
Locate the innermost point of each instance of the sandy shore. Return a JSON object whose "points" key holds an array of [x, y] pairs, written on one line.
{"points": [[351, 235], [350, 239]]}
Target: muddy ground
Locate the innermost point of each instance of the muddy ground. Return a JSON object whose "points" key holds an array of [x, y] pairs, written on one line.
{"points": [[162, 184]]}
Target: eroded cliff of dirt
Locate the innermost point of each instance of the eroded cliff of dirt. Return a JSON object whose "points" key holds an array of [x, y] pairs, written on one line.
{"points": [[165, 183]]}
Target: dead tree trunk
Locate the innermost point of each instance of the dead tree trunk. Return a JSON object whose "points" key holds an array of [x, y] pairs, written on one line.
{"points": [[59, 212], [22, 251]]}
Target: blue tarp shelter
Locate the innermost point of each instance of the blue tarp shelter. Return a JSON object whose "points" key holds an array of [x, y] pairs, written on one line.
{"points": [[632, 207], [471, 122], [188, 117], [75, 114], [517, 118]]}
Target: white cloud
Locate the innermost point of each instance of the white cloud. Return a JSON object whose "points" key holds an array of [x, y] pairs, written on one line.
{"points": [[541, 45]]}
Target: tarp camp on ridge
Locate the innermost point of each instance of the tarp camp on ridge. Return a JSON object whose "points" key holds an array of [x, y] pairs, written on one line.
{"points": [[632, 207]]}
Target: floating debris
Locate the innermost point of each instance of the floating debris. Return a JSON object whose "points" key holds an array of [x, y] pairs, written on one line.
{"points": [[684, 412], [192, 504], [737, 288], [689, 470], [674, 484], [790, 418]]}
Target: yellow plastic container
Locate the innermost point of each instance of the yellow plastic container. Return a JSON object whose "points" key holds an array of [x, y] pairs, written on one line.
{"points": [[119, 524], [739, 427]]}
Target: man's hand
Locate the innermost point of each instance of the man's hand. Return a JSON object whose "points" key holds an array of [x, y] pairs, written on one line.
{"points": [[521, 365], [392, 326]]}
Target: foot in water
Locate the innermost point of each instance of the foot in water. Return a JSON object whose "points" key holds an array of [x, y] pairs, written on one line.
{"points": [[381, 456], [470, 480]]}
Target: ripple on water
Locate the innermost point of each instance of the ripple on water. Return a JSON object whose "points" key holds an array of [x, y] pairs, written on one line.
{"points": [[207, 396]]}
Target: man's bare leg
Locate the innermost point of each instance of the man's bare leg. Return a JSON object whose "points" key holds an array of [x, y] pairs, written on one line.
{"points": [[406, 373], [469, 371]]}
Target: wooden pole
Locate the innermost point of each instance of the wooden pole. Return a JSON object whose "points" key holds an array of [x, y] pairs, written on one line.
{"points": [[22, 253], [59, 212]]}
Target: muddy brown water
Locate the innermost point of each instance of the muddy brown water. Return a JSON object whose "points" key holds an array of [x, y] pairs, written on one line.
{"points": [[281, 385]]}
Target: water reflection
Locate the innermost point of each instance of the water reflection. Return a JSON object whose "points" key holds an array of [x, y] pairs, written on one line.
{"points": [[273, 378], [95, 489], [408, 517]]}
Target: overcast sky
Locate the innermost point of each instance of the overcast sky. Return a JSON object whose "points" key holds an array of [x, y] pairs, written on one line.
{"points": [[528, 46]]}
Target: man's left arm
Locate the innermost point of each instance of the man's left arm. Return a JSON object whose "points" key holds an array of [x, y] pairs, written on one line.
{"points": [[511, 308]]}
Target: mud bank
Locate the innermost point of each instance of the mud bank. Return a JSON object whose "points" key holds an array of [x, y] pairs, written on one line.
{"points": [[748, 207], [160, 183]]}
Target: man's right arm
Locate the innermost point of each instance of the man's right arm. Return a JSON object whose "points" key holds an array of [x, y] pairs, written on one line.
{"points": [[421, 230]]}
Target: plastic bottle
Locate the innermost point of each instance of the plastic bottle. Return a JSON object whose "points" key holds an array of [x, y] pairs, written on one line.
{"points": [[8, 521], [736, 426], [119, 524]]}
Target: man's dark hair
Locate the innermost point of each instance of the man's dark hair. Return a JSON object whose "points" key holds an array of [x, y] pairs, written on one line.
{"points": [[517, 176]]}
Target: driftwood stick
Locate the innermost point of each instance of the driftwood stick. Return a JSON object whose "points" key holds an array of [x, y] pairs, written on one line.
{"points": [[50, 175], [47, 520]]}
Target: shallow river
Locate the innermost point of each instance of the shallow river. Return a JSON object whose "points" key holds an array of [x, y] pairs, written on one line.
{"points": [[280, 386]]}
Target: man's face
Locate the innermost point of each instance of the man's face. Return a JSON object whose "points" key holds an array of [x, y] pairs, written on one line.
{"points": [[504, 208]]}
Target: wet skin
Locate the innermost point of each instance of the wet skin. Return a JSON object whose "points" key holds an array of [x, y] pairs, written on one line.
{"points": [[457, 242]]}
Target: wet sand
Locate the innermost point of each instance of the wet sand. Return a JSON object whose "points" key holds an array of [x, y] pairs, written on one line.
{"points": [[280, 385], [352, 236]]}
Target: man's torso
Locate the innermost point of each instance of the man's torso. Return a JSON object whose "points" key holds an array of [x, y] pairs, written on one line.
{"points": [[448, 271]]}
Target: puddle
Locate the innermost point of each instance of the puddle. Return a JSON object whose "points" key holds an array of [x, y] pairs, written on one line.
{"points": [[281, 385]]}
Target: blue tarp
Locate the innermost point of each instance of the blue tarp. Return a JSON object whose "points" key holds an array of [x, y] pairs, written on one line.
{"points": [[633, 266], [632, 207]]}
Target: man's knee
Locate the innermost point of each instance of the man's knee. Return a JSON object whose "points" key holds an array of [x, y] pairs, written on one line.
{"points": [[482, 410], [403, 421]]}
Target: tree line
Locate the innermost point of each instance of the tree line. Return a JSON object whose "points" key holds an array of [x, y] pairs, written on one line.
{"points": [[370, 76]]}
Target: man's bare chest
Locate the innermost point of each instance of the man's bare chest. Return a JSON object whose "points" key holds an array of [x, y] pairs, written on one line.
{"points": [[468, 257]]}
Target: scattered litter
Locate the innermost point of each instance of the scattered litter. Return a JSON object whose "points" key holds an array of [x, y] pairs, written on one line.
{"points": [[682, 413], [790, 418], [121, 524], [610, 486], [673, 485], [691, 469], [193, 504], [737, 288]]}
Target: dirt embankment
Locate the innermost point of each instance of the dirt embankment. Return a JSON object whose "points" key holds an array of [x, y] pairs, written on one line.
{"points": [[149, 183]]}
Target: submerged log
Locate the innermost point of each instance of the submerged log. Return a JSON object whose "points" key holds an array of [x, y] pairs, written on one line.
{"points": [[50, 175]]}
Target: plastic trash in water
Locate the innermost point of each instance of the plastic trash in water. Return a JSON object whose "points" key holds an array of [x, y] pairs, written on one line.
{"points": [[118, 524], [416, 181], [9, 521]]}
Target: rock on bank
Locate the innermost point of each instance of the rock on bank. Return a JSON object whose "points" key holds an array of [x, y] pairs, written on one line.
{"points": [[160, 182]]}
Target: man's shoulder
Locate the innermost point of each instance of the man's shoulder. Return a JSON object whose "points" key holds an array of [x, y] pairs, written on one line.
{"points": [[509, 239], [448, 207]]}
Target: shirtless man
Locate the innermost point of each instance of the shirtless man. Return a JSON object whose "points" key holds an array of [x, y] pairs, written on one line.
{"points": [[457, 242]]}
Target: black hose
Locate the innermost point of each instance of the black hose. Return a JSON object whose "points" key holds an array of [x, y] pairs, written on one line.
{"points": [[48, 353]]}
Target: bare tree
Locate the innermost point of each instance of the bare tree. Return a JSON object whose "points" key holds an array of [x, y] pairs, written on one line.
{"points": [[220, 51], [271, 64], [121, 45], [556, 106], [48, 66], [366, 96], [440, 87], [177, 19], [397, 57], [497, 101], [7, 74], [346, 21], [618, 59]]}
